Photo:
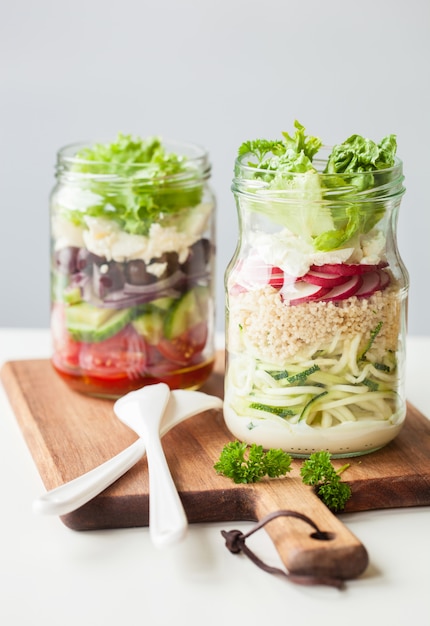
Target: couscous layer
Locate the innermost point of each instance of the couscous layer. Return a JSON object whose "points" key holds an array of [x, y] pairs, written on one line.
{"points": [[262, 324]]}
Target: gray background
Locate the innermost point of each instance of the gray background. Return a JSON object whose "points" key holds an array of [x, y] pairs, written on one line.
{"points": [[215, 73]]}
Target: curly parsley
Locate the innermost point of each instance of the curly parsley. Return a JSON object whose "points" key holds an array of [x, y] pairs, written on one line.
{"points": [[248, 464], [319, 472]]}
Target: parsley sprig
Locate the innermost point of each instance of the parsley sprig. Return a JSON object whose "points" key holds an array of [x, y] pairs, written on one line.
{"points": [[249, 464], [319, 472]]}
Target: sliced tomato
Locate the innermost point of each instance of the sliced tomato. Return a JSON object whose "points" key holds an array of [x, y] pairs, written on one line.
{"points": [[183, 348], [66, 353], [65, 350], [120, 356]]}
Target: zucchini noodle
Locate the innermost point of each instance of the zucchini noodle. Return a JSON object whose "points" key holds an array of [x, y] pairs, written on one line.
{"points": [[346, 381]]}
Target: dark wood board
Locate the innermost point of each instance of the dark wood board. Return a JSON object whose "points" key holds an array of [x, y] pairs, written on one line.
{"points": [[68, 434]]}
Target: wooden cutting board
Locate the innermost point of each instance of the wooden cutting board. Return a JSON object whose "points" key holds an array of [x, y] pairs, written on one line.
{"points": [[68, 434]]}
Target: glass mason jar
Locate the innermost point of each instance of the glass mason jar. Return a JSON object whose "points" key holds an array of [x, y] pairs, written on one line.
{"points": [[132, 270], [316, 299]]}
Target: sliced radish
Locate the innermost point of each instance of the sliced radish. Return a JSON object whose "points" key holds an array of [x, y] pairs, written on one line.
{"points": [[253, 272], [347, 269], [341, 292], [385, 280], [371, 283], [304, 292], [276, 279], [324, 279], [236, 289]]}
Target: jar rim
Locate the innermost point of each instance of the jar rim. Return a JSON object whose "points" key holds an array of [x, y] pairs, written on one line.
{"points": [[196, 159], [255, 182], [319, 162]]}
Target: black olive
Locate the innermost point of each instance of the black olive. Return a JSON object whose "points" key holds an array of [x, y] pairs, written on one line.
{"points": [[108, 277], [198, 257], [66, 260], [85, 260], [137, 274]]}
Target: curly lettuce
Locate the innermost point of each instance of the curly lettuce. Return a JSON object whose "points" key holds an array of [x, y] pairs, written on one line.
{"points": [[335, 205], [133, 181], [357, 159]]}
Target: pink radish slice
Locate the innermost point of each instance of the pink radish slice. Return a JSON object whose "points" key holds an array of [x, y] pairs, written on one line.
{"points": [[347, 269], [385, 280], [323, 279], [237, 289], [276, 279], [341, 292], [253, 272], [305, 292], [371, 283]]}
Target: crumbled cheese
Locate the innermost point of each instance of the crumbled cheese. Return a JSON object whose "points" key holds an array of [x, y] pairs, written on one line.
{"points": [[293, 254], [105, 238], [373, 246], [74, 197], [157, 269], [65, 233]]}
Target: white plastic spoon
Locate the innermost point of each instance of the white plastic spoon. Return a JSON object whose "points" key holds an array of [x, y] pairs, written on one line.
{"points": [[70, 496], [143, 412]]}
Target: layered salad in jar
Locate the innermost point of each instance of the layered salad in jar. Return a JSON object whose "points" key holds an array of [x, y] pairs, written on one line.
{"points": [[132, 266], [316, 297]]}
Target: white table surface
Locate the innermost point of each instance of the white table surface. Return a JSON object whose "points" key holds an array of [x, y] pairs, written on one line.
{"points": [[52, 575]]}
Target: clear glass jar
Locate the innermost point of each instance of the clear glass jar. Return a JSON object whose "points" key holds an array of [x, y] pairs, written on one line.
{"points": [[316, 299], [132, 269]]}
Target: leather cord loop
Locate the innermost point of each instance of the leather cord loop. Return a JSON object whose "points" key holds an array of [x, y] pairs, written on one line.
{"points": [[235, 541]]}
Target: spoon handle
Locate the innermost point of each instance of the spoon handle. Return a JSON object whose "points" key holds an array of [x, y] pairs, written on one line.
{"points": [[167, 519], [73, 494]]}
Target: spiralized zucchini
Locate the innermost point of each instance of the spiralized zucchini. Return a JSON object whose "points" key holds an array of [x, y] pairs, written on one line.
{"points": [[341, 383]]}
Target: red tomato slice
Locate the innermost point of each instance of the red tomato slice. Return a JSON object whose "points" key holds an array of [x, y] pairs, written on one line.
{"points": [[183, 348], [120, 356], [66, 350]]}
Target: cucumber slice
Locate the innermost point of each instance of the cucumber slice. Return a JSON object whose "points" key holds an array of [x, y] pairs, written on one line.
{"points": [[189, 310], [202, 295], [88, 323], [150, 326], [163, 304], [311, 405], [72, 295]]}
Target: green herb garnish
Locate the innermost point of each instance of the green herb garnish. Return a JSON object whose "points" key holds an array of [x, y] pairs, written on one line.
{"points": [[319, 472], [249, 464]]}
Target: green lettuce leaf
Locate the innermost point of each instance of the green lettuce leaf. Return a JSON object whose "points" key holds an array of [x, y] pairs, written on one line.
{"points": [[358, 154], [358, 159], [329, 208], [147, 182]]}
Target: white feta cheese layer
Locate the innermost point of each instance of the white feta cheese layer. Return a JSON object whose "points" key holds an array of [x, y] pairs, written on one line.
{"points": [[295, 255], [65, 233], [105, 238]]}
